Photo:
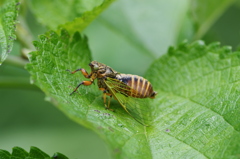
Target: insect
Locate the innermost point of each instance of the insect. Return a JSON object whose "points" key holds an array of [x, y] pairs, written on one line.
{"points": [[125, 88]]}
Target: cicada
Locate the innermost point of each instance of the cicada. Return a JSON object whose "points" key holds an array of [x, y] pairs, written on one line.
{"points": [[125, 88]]}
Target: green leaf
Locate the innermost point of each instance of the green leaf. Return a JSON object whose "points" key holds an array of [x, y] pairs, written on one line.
{"points": [[8, 17], [70, 15], [35, 153], [18, 152], [198, 104], [204, 13], [194, 115], [4, 154], [80, 23]]}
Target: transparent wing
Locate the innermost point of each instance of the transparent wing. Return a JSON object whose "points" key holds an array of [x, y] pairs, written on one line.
{"points": [[136, 107]]}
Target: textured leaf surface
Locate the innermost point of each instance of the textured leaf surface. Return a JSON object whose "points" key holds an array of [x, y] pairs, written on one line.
{"points": [[8, 17], [71, 15], [195, 114], [198, 102], [35, 153]]}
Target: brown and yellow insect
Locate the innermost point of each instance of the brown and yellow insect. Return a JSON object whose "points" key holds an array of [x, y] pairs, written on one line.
{"points": [[123, 87]]}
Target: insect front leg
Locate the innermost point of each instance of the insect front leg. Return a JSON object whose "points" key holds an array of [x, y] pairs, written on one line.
{"points": [[86, 83], [84, 72]]}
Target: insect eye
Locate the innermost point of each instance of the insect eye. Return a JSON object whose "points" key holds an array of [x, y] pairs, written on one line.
{"points": [[95, 67]]}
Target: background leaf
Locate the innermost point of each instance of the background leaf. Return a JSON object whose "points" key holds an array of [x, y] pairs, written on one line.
{"points": [[70, 15], [8, 17], [80, 23], [226, 29], [204, 13], [138, 29], [195, 113]]}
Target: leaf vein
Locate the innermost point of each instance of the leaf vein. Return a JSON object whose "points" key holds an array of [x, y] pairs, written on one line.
{"points": [[189, 99]]}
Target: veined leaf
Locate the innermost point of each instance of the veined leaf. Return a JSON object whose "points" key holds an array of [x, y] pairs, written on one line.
{"points": [[35, 153], [194, 115], [198, 104], [8, 17]]}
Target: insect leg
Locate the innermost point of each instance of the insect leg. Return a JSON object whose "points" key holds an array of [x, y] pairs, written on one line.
{"points": [[86, 83], [84, 72], [105, 100], [109, 101]]}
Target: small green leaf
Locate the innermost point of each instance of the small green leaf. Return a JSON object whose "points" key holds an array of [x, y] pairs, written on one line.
{"points": [[194, 115], [19, 152], [70, 15], [4, 154], [8, 20], [35, 153]]}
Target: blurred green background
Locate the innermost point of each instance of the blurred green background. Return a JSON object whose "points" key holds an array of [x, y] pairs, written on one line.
{"points": [[26, 119]]}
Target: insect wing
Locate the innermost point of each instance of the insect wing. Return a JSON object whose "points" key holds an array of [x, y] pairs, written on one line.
{"points": [[135, 107]]}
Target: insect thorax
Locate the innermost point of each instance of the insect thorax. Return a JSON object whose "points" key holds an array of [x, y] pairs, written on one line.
{"points": [[103, 73]]}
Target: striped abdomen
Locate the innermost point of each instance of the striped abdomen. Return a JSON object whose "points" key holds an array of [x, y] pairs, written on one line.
{"points": [[139, 86]]}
